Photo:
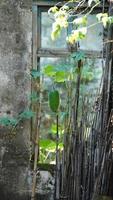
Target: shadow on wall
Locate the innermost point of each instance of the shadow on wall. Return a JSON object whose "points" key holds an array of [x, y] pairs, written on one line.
{"points": [[4, 195]]}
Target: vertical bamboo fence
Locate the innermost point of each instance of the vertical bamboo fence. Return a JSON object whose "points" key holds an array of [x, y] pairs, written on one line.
{"points": [[87, 162]]}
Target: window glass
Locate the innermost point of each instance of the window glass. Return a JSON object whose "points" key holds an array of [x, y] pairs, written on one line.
{"points": [[60, 64], [48, 125], [46, 29], [91, 75], [64, 79], [90, 83], [94, 38]]}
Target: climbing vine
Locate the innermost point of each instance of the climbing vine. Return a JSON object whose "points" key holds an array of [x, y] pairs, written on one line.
{"points": [[69, 14]]}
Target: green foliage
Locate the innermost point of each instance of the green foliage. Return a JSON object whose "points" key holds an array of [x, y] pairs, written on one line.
{"points": [[65, 16], [13, 122], [48, 149], [80, 21], [60, 76], [58, 73], [27, 114], [110, 19], [54, 100], [54, 129], [53, 9], [8, 121], [35, 73], [77, 35], [87, 74], [47, 145], [57, 30], [78, 55], [64, 78], [60, 21], [104, 18], [49, 70]]}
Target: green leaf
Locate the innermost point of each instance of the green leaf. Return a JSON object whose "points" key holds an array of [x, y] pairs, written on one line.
{"points": [[7, 121], [44, 143], [80, 21], [103, 17], [105, 21], [61, 146], [49, 70], [82, 33], [110, 19], [47, 145], [77, 35], [35, 73], [87, 77], [53, 9], [27, 114], [13, 121], [78, 55], [54, 129], [87, 74], [4, 121], [60, 76], [56, 31], [54, 100]]}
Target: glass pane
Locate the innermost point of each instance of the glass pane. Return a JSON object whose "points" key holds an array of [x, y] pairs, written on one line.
{"points": [[91, 75], [48, 125], [94, 38], [46, 28], [90, 90], [90, 83]]}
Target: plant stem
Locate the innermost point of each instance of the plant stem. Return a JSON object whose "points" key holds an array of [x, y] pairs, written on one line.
{"points": [[57, 181], [36, 153], [36, 147]]}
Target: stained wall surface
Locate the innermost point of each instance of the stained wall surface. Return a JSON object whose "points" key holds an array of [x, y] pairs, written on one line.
{"points": [[15, 87], [15, 65]]}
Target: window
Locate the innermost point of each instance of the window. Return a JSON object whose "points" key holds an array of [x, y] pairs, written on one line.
{"points": [[47, 52]]}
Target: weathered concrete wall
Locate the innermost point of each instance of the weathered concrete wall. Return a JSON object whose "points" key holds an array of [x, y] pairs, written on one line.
{"points": [[15, 64]]}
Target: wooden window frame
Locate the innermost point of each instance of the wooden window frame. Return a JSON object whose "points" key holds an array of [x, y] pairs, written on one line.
{"points": [[37, 8], [38, 52]]}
